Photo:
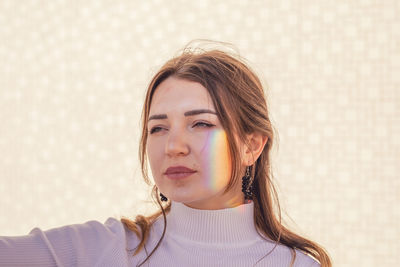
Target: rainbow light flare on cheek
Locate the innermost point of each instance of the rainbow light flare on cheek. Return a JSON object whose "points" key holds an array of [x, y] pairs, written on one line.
{"points": [[217, 160]]}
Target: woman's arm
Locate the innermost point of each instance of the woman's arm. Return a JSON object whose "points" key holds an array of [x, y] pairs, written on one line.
{"points": [[85, 244]]}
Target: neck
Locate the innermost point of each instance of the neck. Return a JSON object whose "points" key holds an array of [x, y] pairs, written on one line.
{"points": [[215, 205], [230, 199], [230, 225]]}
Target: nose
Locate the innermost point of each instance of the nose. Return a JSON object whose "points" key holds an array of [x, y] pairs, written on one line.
{"points": [[176, 143]]}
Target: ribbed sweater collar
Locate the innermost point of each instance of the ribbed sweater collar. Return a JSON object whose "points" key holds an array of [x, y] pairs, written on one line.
{"points": [[229, 225]]}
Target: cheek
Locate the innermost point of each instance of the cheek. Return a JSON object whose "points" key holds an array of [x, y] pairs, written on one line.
{"points": [[154, 154], [216, 160]]}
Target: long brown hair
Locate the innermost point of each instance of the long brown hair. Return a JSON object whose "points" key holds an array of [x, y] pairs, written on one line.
{"points": [[240, 103]]}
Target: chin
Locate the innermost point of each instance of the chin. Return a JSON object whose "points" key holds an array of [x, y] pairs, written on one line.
{"points": [[182, 199]]}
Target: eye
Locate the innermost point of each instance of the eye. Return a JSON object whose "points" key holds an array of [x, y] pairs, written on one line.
{"points": [[155, 129], [200, 124], [203, 124]]}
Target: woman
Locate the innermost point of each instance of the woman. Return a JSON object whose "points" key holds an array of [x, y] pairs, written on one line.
{"points": [[207, 135]]}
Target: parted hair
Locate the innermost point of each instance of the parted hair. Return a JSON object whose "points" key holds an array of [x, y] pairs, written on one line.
{"points": [[241, 106]]}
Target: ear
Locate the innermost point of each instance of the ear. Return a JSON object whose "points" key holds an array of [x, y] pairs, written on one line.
{"points": [[256, 143]]}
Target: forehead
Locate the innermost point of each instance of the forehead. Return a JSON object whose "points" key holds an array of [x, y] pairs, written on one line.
{"points": [[178, 94]]}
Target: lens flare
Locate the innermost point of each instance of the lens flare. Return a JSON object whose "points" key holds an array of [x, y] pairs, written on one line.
{"points": [[216, 153]]}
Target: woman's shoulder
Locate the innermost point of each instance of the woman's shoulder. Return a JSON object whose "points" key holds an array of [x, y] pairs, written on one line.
{"points": [[91, 240], [305, 260], [301, 258]]}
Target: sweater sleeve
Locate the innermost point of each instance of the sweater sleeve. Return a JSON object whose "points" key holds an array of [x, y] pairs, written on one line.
{"points": [[88, 244]]}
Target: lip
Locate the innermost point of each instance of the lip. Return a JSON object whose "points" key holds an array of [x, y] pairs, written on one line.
{"points": [[178, 169], [178, 172], [179, 175]]}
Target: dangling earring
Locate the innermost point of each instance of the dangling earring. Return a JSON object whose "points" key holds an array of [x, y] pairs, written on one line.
{"points": [[163, 198], [247, 185]]}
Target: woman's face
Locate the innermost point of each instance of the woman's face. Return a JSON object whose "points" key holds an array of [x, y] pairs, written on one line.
{"points": [[188, 148]]}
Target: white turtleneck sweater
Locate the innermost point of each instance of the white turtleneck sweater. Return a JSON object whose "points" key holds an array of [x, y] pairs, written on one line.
{"points": [[225, 237]]}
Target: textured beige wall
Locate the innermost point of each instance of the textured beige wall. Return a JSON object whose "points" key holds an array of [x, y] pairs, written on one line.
{"points": [[73, 75]]}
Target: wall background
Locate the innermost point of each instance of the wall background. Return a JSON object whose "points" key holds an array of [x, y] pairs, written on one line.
{"points": [[72, 81]]}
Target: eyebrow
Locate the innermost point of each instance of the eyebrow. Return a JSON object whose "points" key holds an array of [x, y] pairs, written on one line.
{"points": [[187, 113]]}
